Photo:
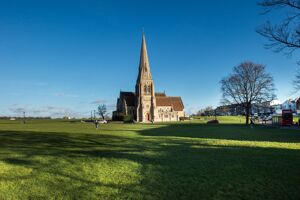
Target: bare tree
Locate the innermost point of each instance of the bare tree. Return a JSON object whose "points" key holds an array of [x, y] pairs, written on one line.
{"points": [[248, 84], [284, 36], [207, 111], [297, 81], [102, 110]]}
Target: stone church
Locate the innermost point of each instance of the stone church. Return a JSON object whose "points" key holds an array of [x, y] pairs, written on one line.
{"points": [[145, 105]]}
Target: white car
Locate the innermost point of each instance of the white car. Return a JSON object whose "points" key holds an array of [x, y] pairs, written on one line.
{"points": [[269, 117], [103, 122]]}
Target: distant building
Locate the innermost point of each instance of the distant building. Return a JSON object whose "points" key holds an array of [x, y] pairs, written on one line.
{"points": [[276, 106], [264, 108], [232, 109], [145, 104], [292, 104], [297, 101]]}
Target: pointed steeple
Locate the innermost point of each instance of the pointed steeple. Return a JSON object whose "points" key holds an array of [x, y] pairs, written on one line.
{"points": [[144, 68]]}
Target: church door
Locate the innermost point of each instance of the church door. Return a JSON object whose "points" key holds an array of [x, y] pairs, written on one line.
{"points": [[147, 116]]}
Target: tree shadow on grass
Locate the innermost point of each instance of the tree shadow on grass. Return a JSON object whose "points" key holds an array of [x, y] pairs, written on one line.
{"points": [[170, 168], [60, 151], [225, 131], [17, 161], [196, 169]]}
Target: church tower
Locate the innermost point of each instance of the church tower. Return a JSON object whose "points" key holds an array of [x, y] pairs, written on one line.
{"points": [[144, 88], [144, 104]]}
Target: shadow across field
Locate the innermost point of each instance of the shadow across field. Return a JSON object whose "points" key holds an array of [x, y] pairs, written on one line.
{"points": [[225, 131], [171, 168]]}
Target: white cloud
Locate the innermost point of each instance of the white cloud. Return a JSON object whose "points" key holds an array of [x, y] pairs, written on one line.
{"points": [[99, 101], [63, 94], [18, 110], [47, 111]]}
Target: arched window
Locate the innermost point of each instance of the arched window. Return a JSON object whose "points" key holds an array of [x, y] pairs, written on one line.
{"points": [[149, 89], [145, 89]]}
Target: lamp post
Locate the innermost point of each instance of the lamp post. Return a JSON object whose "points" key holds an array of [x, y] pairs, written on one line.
{"points": [[215, 113], [24, 117]]}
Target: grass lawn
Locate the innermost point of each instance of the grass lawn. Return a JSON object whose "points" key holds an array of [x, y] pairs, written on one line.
{"points": [[221, 119], [72, 160]]}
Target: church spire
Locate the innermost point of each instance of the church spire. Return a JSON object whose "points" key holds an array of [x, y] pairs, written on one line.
{"points": [[144, 68]]}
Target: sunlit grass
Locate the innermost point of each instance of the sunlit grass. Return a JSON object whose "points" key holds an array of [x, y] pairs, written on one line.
{"points": [[72, 160], [221, 119]]}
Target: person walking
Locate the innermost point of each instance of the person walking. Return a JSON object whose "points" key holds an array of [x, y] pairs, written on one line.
{"points": [[251, 122], [96, 123]]}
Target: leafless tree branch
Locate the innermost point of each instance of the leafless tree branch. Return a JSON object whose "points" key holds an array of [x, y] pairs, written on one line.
{"points": [[284, 36]]}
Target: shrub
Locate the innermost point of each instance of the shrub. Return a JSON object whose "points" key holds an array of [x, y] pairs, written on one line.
{"points": [[128, 119], [183, 118], [215, 121], [118, 117]]}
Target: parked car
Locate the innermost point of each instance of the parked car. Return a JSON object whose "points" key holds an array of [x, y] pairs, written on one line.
{"points": [[268, 118], [103, 122]]}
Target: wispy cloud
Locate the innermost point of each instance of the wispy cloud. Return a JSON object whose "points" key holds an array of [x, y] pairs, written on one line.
{"points": [[17, 110], [111, 106], [99, 101], [63, 94], [47, 111]]}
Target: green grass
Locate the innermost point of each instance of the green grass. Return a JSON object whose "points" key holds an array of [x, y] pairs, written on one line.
{"points": [[295, 119], [72, 160], [221, 119]]}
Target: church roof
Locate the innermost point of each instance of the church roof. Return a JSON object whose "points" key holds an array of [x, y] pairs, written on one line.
{"points": [[175, 102], [129, 98], [127, 93], [160, 94]]}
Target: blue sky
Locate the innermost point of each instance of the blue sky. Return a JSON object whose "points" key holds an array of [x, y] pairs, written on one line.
{"points": [[65, 57]]}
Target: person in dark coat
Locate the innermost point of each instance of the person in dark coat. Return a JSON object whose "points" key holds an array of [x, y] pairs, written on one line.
{"points": [[251, 122], [96, 123]]}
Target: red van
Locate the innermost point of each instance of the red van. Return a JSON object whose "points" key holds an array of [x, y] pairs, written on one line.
{"points": [[287, 118]]}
